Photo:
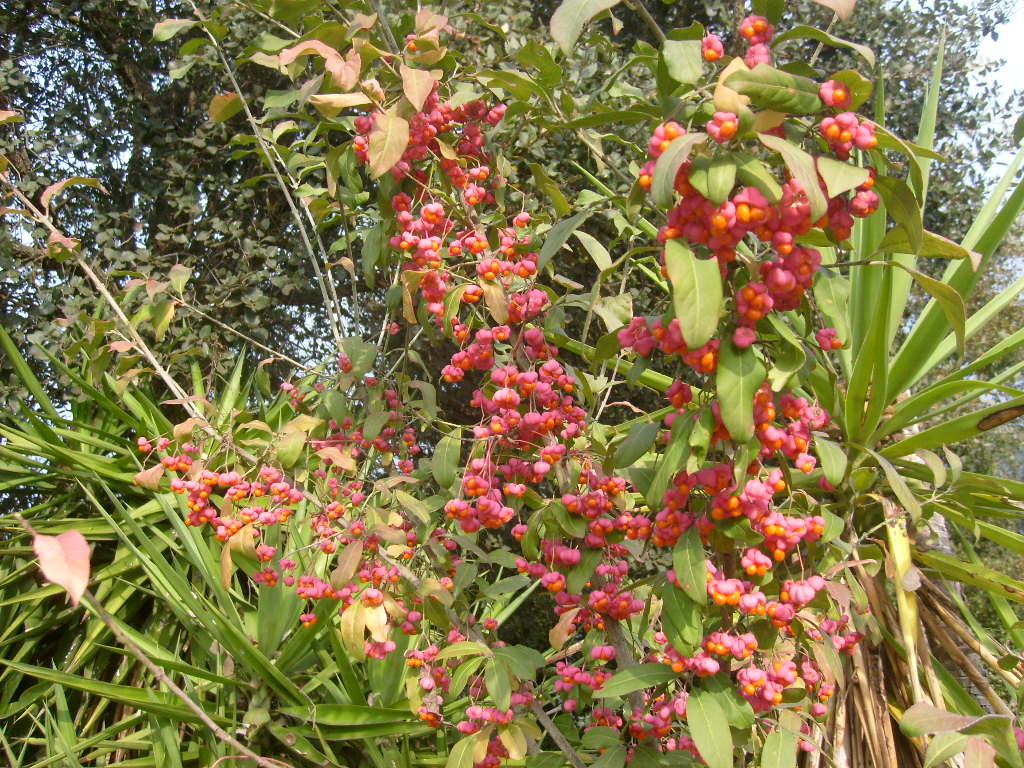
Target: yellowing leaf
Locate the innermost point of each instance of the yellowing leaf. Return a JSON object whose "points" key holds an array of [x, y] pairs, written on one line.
{"points": [[224, 106], [331, 104], [418, 83], [388, 141], [561, 632], [377, 623]]}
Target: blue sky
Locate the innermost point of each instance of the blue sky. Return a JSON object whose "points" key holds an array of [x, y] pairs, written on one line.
{"points": [[1010, 46]]}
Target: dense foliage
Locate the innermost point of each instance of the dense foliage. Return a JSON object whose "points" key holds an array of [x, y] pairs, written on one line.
{"points": [[630, 334]]}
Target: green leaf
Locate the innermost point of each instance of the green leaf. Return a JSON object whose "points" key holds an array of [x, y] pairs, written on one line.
{"points": [[934, 246], [146, 700], [535, 55], [461, 755], [696, 292], [499, 686], [347, 714], [751, 171], [548, 186], [613, 757], [833, 459], [446, 458], [721, 178], [942, 747], [165, 30], [570, 17], [951, 302], [388, 141], [682, 619], [899, 486], [858, 86], [690, 566], [740, 374], [557, 235], [635, 678], [770, 88], [671, 462], [597, 251], [780, 749], [414, 506], [803, 31], [988, 579], [709, 728], [960, 428], [663, 182], [289, 448], [840, 177], [802, 166], [683, 60], [638, 442], [903, 208]]}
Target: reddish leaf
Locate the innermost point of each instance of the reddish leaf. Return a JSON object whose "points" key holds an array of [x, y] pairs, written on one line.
{"points": [[56, 189], [345, 71], [64, 560]]}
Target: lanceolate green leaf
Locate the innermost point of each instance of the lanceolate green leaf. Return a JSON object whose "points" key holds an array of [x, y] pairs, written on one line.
{"points": [[663, 183], [446, 458], [147, 700], [750, 170], [709, 728], [635, 678], [638, 442], [557, 236], [903, 207], [802, 166], [866, 396], [770, 88], [568, 21], [803, 31], [683, 60], [840, 177], [740, 374], [689, 564], [696, 292], [779, 750]]}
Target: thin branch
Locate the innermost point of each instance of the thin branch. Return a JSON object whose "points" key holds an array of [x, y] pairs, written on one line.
{"points": [[556, 735], [330, 297], [90, 600], [650, 21]]}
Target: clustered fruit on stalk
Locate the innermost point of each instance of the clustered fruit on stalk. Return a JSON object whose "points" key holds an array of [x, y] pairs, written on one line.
{"points": [[532, 468]]}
